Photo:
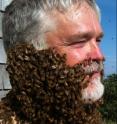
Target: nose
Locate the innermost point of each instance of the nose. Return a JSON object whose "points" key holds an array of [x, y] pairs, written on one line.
{"points": [[95, 52]]}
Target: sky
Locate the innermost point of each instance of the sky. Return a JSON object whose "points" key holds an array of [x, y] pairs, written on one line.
{"points": [[109, 42]]}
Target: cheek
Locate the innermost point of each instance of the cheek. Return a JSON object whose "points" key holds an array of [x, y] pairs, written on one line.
{"points": [[75, 56]]}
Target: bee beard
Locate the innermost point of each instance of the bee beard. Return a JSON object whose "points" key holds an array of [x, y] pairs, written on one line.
{"points": [[47, 89]]}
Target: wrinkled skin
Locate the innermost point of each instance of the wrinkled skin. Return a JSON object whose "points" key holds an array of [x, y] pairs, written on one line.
{"points": [[77, 34]]}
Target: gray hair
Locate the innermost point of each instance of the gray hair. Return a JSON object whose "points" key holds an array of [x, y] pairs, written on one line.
{"points": [[28, 20]]}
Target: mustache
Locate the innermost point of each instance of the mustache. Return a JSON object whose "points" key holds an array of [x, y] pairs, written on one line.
{"points": [[93, 66]]}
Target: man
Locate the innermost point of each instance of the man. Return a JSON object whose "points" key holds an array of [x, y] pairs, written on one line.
{"points": [[71, 27]]}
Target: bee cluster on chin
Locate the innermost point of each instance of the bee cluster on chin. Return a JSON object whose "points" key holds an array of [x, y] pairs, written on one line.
{"points": [[46, 90]]}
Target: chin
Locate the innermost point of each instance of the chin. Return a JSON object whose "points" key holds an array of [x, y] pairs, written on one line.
{"points": [[94, 91]]}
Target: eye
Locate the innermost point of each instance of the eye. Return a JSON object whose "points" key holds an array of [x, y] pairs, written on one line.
{"points": [[78, 44], [98, 41]]}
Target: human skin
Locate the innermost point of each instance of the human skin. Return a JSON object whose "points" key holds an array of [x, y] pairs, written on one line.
{"points": [[78, 34]]}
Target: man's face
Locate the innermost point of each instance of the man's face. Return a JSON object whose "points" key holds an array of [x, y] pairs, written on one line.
{"points": [[77, 35]]}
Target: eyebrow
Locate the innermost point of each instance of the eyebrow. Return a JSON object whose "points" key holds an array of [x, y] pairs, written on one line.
{"points": [[101, 35], [81, 36]]}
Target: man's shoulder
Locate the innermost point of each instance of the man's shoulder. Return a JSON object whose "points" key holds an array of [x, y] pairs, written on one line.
{"points": [[7, 116]]}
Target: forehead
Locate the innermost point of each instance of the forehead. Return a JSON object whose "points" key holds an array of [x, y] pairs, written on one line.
{"points": [[74, 11], [84, 10], [77, 19]]}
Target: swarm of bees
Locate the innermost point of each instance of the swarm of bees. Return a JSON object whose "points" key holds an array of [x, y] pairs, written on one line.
{"points": [[45, 90]]}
